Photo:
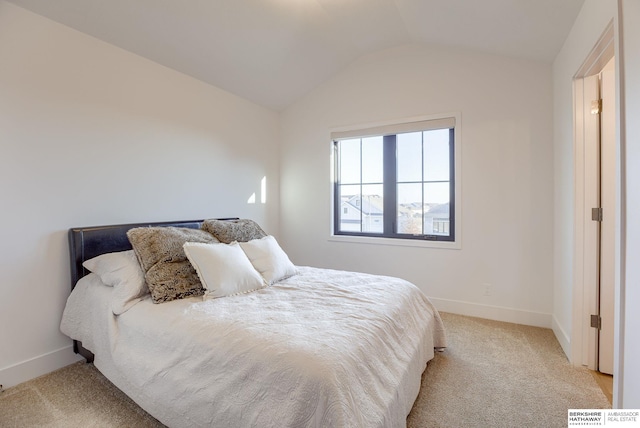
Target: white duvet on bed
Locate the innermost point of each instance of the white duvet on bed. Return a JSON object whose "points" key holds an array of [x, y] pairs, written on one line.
{"points": [[323, 348]]}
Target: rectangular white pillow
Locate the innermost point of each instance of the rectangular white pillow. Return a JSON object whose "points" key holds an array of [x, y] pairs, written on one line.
{"points": [[121, 271], [223, 269], [269, 259]]}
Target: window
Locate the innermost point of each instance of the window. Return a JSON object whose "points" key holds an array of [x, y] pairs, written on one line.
{"points": [[396, 181]]}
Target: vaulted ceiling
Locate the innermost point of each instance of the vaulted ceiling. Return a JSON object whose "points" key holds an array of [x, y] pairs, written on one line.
{"points": [[272, 52]]}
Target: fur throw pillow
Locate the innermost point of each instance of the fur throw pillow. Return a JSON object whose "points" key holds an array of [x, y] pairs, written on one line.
{"points": [[227, 231], [167, 271]]}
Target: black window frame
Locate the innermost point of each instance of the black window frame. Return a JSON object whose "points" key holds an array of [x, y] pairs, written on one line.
{"points": [[390, 187]]}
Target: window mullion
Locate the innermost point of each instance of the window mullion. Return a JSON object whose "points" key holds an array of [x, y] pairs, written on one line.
{"points": [[337, 199], [361, 195], [423, 181], [452, 178], [390, 184]]}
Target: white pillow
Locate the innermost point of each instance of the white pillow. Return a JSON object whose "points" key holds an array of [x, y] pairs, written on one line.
{"points": [[121, 271], [223, 269], [269, 259]]}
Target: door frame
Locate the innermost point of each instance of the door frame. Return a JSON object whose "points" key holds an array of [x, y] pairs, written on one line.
{"points": [[584, 338]]}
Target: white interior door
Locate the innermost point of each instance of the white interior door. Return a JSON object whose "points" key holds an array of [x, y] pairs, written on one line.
{"points": [[609, 216], [591, 228], [597, 127]]}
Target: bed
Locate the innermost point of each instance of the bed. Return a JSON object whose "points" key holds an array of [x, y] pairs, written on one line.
{"points": [[319, 348]]}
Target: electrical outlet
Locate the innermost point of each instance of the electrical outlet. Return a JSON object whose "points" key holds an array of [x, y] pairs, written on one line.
{"points": [[487, 290]]}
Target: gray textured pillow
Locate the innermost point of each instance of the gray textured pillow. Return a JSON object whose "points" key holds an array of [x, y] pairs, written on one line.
{"points": [[227, 231], [167, 271]]}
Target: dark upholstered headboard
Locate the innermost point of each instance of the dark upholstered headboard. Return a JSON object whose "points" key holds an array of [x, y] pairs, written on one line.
{"points": [[88, 242]]}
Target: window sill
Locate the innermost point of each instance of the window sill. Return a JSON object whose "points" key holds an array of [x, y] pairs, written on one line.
{"points": [[396, 242]]}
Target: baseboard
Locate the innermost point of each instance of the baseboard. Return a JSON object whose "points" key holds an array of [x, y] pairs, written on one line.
{"points": [[497, 313], [562, 337], [37, 366]]}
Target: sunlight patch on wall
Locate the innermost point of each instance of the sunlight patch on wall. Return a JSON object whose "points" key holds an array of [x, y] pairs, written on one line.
{"points": [[263, 193]]}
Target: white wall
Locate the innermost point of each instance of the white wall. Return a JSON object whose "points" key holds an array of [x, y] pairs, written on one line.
{"points": [[587, 30], [628, 387], [507, 175], [91, 134]]}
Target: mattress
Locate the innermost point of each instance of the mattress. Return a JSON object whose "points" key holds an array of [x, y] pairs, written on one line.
{"points": [[323, 348]]}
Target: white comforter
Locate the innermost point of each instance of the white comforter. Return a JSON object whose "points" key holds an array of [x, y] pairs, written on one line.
{"points": [[322, 349]]}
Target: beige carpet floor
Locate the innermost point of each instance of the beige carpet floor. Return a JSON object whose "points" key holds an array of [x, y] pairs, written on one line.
{"points": [[493, 374], [497, 374]]}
